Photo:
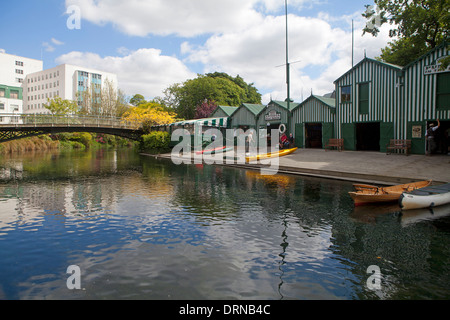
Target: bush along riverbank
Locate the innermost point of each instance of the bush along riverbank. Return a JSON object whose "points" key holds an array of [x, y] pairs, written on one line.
{"points": [[64, 141], [156, 142]]}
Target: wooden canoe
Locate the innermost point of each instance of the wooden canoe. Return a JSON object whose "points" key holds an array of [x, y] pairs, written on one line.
{"points": [[279, 153], [366, 194], [428, 197]]}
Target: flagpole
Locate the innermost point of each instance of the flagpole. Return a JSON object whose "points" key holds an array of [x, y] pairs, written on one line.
{"points": [[353, 43], [287, 58]]}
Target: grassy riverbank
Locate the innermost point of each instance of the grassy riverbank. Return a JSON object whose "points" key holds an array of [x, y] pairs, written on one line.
{"points": [[63, 141]]}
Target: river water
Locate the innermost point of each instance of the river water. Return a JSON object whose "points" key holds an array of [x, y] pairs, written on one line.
{"points": [[143, 228]]}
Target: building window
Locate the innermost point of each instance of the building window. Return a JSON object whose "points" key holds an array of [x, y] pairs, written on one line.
{"points": [[2, 92], [443, 91], [18, 71], [346, 94], [364, 98], [14, 94], [19, 63], [19, 80], [2, 106]]}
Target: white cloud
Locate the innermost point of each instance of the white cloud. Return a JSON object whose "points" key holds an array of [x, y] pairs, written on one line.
{"points": [[144, 71], [57, 42], [179, 17], [323, 51], [50, 46], [244, 38]]}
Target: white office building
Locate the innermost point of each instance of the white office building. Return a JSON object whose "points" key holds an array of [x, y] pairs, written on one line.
{"points": [[66, 81], [13, 71]]}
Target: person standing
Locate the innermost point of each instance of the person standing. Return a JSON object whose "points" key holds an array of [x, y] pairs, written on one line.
{"points": [[430, 137]]}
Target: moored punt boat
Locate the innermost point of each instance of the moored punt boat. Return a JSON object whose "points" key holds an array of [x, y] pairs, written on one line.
{"points": [[428, 197], [366, 194], [220, 150], [210, 150], [279, 153]]}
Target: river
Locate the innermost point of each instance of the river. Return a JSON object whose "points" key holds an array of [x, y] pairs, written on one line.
{"points": [[139, 227]]}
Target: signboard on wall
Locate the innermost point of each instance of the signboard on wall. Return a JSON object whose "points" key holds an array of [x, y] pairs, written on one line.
{"points": [[417, 132], [435, 68], [272, 115]]}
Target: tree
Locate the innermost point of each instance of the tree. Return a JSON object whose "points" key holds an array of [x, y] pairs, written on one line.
{"points": [[418, 26], [102, 100], [185, 98], [58, 106], [148, 115], [137, 99], [205, 109]]}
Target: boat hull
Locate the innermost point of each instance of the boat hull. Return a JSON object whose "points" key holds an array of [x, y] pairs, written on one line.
{"points": [[280, 153], [368, 194], [218, 151], [426, 199], [363, 199], [210, 150]]}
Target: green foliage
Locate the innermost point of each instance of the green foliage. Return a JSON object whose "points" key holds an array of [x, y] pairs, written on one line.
{"points": [[418, 26], [60, 107], [137, 100], [403, 51], [157, 141], [219, 87]]}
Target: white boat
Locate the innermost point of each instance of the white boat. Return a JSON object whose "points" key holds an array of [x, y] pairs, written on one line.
{"points": [[427, 197]]}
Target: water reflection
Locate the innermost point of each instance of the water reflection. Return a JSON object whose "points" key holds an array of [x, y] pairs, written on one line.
{"points": [[144, 228]]}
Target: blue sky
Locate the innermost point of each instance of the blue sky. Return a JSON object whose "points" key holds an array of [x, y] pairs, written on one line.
{"points": [[153, 44]]}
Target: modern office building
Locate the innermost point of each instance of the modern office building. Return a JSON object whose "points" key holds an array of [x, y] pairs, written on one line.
{"points": [[69, 82], [13, 71]]}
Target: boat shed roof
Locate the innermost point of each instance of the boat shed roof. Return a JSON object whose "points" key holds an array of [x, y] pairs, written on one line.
{"points": [[388, 65]]}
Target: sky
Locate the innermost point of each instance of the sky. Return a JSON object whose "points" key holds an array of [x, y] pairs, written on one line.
{"points": [[153, 44]]}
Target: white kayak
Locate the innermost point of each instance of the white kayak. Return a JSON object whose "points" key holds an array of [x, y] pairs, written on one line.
{"points": [[427, 197]]}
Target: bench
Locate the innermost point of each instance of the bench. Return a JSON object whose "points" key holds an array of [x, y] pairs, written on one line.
{"points": [[398, 144], [335, 143]]}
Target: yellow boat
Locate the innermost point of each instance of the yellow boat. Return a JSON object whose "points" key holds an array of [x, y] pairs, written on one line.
{"points": [[366, 194], [279, 153]]}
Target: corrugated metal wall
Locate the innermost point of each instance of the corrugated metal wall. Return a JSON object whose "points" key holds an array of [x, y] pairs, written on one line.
{"points": [[243, 117], [420, 89], [385, 95], [312, 110], [262, 122]]}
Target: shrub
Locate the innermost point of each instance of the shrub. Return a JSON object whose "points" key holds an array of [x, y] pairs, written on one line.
{"points": [[155, 142]]}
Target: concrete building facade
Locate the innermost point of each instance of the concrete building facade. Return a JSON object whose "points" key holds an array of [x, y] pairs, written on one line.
{"points": [[68, 82], [13, 71]]}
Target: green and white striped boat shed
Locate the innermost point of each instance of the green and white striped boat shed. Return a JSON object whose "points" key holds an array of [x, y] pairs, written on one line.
{"points": [[246, 117], [374, 102], [426, 95], [315, 110], [223, 112], [275, 114], [368, 93], [377, 101]]}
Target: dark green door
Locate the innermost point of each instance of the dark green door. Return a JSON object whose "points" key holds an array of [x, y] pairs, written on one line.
{"points": [[386, 134], [327, 132], [416, 133], [299, 135], [349, 136]]}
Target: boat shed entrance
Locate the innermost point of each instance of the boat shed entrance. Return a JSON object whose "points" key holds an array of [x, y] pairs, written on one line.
{"points": [[312, 122]]}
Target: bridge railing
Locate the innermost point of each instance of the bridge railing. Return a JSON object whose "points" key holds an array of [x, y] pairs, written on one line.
{"points": [[46, 120]]}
